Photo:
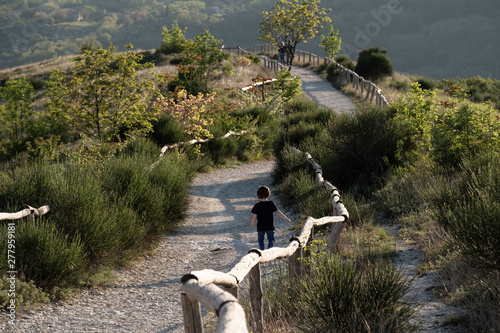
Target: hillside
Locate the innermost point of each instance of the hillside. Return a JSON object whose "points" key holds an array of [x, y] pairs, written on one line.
{"points": [[439, 39]]}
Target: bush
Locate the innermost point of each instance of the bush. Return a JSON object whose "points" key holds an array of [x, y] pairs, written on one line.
{"points": [[475, 222], [173, 40], [426, 83], [345, 61], [463, 131], [166, 130], [46, 255], [362, 148], [253, 58], [342, 296], [301, 191], [102, 214], [373, 63], [27, 293]]}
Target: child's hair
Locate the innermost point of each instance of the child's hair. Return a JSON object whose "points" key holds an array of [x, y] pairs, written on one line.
{"points": [[263, 192]]}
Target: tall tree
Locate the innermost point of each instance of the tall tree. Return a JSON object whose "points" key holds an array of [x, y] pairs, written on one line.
{"points": [[16, 115], [292, 22], [204, 55], [331, 43], [105, 93]]}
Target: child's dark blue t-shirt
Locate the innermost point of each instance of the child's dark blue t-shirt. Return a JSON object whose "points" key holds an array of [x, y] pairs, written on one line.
{"points": [[264, 211]]}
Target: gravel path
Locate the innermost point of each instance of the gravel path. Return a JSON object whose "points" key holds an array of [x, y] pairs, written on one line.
{"points": [[322, 92], [146, 298]]}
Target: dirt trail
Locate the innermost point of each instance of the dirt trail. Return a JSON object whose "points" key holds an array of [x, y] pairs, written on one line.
{"points": [[146, 298]]}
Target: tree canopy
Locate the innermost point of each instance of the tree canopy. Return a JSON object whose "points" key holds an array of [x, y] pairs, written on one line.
{"points": [[103, 94], [292, 22]]}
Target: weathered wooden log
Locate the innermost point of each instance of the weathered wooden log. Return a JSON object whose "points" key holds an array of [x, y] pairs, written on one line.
{"points": [[327, 220], [255, 291], [226, 306], [333, 240], [295, 263], [279, 252], [210, 276], [25, 212], [241, 269], [191, 313]]}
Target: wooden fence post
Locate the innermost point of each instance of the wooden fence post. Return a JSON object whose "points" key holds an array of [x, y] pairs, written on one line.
{"points": [[192, 315], [295, 263], [334, 236], [256, 298], [232, 291]]}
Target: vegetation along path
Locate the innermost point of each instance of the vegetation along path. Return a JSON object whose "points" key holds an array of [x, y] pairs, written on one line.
{"points": [[146, 298]]}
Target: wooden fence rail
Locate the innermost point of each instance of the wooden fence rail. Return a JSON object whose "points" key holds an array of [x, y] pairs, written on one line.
{"points": [[25, 212], [363, 87], [202, 286]]}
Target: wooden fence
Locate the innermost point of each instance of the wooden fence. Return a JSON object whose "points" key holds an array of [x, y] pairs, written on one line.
{"points": [[365, 88], [25, 212], [201, 286]]}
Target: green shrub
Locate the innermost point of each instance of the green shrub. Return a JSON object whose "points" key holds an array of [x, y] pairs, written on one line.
{"points": [[301, 191], [173, 40], [399, 85], [166, 130], [27, 293], [362, 148], [426, 83], [373, 63], [102, 215], [301, 104], [470, 208], [253, 58], [342, 296], [463, 131], [45, 254], [345, 61]]}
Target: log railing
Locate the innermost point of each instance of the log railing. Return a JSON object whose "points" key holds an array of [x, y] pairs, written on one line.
{"points": [[25, 212], [201, 286], [365, 88]]}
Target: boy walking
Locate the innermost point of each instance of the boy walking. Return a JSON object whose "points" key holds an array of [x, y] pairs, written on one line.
{"points": [[263, 213]]}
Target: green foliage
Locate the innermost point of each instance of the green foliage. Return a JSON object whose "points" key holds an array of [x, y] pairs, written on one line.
{"points": [[16, 115], [166, 130], [102, 214], [414, 112], [345, 61], [288, 85], [338, 295], [173, 40], [189, 110], [482, 90], [346, 296], [301, 191], [475, 221], [254, 58], [293, 22], [27, 293], [331, 43], [465, 130], [204, 56], [426, 83], [373, 63], [47, 255], [103, 94]]}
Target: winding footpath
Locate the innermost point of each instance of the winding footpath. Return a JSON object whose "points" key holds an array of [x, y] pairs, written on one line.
{"points": [[322, 92], [216, 234], [146, 297]]}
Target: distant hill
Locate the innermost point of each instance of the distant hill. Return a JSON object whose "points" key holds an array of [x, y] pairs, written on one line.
{"points": [[439, 39]]}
